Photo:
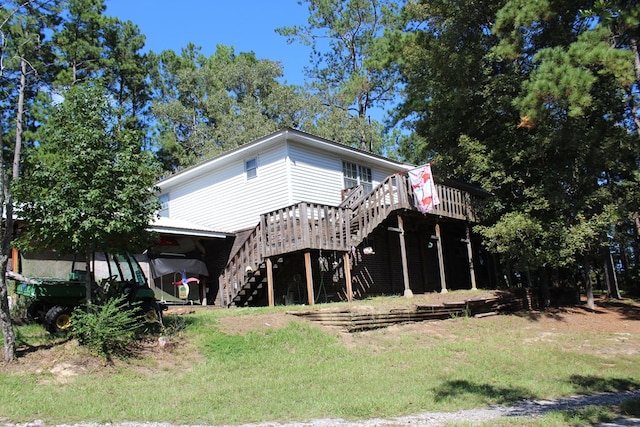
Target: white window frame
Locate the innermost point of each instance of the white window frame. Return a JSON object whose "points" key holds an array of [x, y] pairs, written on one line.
{"points": [[251, 168], [363, 176], [164, 205]]}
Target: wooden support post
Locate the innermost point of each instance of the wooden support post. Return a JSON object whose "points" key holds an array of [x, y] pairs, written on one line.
{"points": [[347, 276], [472, 272], [403, 255], [203, 290], [443, 279], [270, 296], [15, 260], [307, 267], [222, 290]]}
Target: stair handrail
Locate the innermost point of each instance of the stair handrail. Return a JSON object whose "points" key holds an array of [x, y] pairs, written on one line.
{"points": [[246, 258], [350, 222]]}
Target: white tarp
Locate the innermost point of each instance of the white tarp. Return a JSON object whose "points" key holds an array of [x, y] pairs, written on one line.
{"points": [[162, 266]]}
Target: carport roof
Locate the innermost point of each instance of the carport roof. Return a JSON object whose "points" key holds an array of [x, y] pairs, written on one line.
{"points": [[181, 227]]}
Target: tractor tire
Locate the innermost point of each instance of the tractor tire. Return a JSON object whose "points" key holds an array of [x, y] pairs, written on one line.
{"points": [[151, 313], [36, 312], [58, 319]]}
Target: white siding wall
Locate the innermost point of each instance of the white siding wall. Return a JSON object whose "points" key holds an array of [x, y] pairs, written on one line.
{"points": [[288, 172], [316, 176], [226, 201]]}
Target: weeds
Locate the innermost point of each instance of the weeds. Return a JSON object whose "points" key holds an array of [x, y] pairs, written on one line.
{"points": [[106, 329]]}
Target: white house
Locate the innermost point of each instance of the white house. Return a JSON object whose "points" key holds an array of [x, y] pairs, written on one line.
{"points": [[295, 218], [256, 218], [229, 192]]}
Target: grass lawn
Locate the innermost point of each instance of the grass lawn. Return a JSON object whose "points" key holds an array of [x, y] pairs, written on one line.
{"points": [[253, 365]]}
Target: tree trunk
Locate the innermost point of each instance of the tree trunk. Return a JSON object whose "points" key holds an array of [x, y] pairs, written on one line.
{"points": [[614, 290], [607, 274], [545, 294], [18, 146], [588, 285], [633, 43], [87, 280], [9, 352]]}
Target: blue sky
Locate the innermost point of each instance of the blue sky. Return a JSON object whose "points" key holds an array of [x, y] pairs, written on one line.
{"points": [[247, 25]]}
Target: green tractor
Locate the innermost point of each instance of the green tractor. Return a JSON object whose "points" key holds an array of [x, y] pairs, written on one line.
{"points": [[53, 300]]}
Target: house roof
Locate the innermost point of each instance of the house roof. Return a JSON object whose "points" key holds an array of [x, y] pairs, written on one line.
{"points": [[181, 227], [281, 136]]}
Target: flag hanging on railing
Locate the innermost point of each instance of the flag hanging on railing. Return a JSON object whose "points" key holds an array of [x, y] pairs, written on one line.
{"points": [[424, 188]]}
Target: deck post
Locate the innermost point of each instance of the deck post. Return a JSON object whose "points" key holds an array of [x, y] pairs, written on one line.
{"points": [[203, 290], [269, 265], [222, 290], [347, 276], [472, 272], [15, 260], [443, 279], [307, 267], [403, 255]]}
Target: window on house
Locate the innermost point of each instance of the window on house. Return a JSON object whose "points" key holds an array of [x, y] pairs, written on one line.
{"points": [[355, 175], [251, 168], [164, 205], [364, 175]]}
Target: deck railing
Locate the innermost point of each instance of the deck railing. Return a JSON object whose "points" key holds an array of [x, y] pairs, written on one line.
{"points": [[376, 206], [304, 226], [248, 255]]}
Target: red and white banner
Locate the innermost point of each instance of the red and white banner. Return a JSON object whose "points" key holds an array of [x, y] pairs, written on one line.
{"points": [[424, 188]]}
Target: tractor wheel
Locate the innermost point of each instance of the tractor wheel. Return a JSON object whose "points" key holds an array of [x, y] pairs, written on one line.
{"points": [[150, 312], [58, 319], [36, 312]]}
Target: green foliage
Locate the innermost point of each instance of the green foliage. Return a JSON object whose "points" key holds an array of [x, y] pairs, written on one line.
{"points": [[352, 69], [537, 103], [206, 105], [106, 329], [88, 184]]}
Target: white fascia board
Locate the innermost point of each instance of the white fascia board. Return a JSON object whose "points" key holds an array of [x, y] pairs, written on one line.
{"points": [[187, 232], [345, 150]]}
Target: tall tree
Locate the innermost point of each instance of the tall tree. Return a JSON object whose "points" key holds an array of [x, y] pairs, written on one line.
{"points": [[24, 58], [88, 185], [205, 105], [126, 71], [80, 42], [500, 100], [350, 63], [581, 96]]}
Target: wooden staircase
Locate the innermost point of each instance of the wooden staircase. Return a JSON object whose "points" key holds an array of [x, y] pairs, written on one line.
{"points": [[255, 285], [306, 226]]}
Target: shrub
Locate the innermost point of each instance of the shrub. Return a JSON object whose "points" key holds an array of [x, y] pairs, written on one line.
{"points": [[106, 329]]}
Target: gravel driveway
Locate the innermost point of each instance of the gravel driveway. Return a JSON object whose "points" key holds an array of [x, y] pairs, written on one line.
{"points": [[527, 408]]}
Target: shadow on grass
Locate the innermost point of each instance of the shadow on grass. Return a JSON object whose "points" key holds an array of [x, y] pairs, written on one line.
{"points": [[491, 393], [24, 348], [589, 384], [626, 310]]}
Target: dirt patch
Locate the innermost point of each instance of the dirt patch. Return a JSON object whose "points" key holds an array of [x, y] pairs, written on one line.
{"points": [[241, 325], [64, 360]]}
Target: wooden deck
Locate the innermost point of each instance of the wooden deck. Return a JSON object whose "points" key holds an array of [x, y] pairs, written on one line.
{"points": [[307, 226]]}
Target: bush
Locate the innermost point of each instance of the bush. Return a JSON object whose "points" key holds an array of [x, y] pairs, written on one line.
{"points": [[106, 329]]}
